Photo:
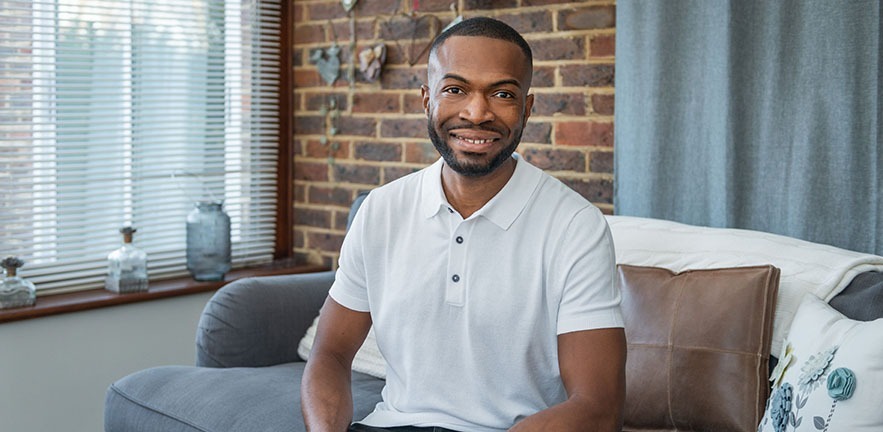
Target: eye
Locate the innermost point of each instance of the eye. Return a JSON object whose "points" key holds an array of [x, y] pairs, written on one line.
{"points": [[504, 95], [453, 90]]}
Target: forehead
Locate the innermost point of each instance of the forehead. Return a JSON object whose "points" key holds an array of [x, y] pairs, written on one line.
{"points": [[479, 58]]}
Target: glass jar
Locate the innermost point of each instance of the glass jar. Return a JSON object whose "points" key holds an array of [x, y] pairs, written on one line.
{"points": [[15, 291], [126, 266], [208, 241]]}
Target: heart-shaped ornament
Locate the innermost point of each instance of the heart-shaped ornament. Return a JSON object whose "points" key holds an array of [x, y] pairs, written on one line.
{"points": [[328, 63], [404, 29], [348, 4]]}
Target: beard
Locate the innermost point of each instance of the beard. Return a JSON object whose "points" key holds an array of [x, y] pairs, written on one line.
{"points": [[470, 168]]}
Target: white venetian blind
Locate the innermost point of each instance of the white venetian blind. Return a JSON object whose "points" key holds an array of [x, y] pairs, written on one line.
{"points": [[125, 112]]}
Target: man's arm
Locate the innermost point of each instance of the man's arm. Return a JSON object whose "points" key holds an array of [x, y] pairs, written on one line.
{"points": [[592, 364], [326, 394]]}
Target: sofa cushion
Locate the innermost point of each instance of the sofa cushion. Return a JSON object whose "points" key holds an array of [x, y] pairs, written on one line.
{"points": [[823, 342], [189, 399], [368, 359], [698, 347], [805, 267]]}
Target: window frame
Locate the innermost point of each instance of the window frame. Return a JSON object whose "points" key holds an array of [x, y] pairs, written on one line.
{"points": [[284, 259]]}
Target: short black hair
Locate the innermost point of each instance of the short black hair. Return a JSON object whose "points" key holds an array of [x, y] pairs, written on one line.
{"points": [[485, 27]]}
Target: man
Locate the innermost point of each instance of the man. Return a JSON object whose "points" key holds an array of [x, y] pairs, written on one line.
{"points": [[490, 284]]}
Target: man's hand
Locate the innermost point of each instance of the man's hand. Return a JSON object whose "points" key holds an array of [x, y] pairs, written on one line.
{"points": [[326, 394], [592, 364]]}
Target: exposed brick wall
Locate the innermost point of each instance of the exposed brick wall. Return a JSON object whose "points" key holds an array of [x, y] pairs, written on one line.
{"points": [[381, 128]]}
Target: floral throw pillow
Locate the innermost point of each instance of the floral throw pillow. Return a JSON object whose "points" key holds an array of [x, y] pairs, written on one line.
{"points": [[829, 376]]}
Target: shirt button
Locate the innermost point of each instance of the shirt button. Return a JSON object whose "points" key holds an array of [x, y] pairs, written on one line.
{"points": [[459, 239], [455, 278]]}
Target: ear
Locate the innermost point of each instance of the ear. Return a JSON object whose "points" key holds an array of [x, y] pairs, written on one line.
{"points": [[424, 93], [528, 106]]}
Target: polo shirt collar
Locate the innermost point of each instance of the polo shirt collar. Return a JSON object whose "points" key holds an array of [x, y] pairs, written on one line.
{"points": [[502, 209]]}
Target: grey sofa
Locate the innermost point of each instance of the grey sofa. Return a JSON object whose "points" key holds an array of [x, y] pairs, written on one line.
{"points": [[247, 373]]}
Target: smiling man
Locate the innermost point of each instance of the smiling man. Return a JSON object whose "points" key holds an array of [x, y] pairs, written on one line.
{"points": [[490, 284]]}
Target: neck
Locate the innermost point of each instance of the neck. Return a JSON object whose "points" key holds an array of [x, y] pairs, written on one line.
{"points": [[469, 194]]}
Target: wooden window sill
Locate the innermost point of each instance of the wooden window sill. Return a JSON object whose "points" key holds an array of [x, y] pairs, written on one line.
{"points": [[98, 298]]}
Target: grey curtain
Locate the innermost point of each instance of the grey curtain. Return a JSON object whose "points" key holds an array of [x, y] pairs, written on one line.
{"points": [[752, 114]]}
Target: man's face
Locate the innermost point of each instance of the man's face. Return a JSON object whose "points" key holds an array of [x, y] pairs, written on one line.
{"points": [[477, 103]]}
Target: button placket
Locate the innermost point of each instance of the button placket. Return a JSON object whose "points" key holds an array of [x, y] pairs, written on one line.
{"points": [[456, 286]]}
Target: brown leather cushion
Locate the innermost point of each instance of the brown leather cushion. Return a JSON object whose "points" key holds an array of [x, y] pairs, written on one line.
{"points": [[698, 347]]}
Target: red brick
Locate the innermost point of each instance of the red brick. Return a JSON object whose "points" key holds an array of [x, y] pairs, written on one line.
{"points": [[313, 217], [309, 33], [315, 101], [340, 219], [374, 151], [559, 48], [542, 2], [333, 148], [376, 7], [324, 11], [602, 46], [403, 78], [299, 12], [420, 152], [306, 78], [297, 58], [587, 18], [309, 124], [364, 31], [299, 239], [359, 126], [361, 174], [298, 148], [529, 22], [601, 162], [324, 241], [546, 104], [300, 194], [403, 128], [472, 5], [556, 159], [311, 171], [413, 103], [405, 28], [393, 173], [603, 104], [543, 76], [537, 132], [376, 102], [435, 5], [330, 196], [600, 75], [584, 134], [596, 191]]}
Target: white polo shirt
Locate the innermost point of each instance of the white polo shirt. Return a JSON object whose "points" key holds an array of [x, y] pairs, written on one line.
{"points": [[467, 312]]}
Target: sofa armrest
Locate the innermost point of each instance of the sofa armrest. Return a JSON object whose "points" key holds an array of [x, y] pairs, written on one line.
{"points": [[259, 321]]}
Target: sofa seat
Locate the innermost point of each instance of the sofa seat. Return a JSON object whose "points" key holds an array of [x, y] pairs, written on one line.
{"points": [[188, 399]]}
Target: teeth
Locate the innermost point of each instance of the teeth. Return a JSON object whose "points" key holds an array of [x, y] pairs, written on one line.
{"points": [[475, 141]]}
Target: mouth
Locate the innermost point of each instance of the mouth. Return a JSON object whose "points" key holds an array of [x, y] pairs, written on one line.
{"points": [[473, 141]]}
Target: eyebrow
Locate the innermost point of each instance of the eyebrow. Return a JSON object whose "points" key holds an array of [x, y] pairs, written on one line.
{"points": [[495, 84]]}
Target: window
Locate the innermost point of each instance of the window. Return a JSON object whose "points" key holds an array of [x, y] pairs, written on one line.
{"points": [[126, 112]]}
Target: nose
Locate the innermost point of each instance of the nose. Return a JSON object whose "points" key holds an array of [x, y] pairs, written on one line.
{"points": [[477, 109]]}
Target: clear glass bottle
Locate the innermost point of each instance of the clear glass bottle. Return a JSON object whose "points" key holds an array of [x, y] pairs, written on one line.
{"points": [[15, 291], [126, 266], [208, 241]]}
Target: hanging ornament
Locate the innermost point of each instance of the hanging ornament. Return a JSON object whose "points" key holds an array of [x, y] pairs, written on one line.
{"points": [[328, 63], [348, 4], [371, 61]]}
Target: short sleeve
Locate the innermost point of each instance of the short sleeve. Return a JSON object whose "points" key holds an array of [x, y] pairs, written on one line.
{"points": [[586, 269], [350, 282]]}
